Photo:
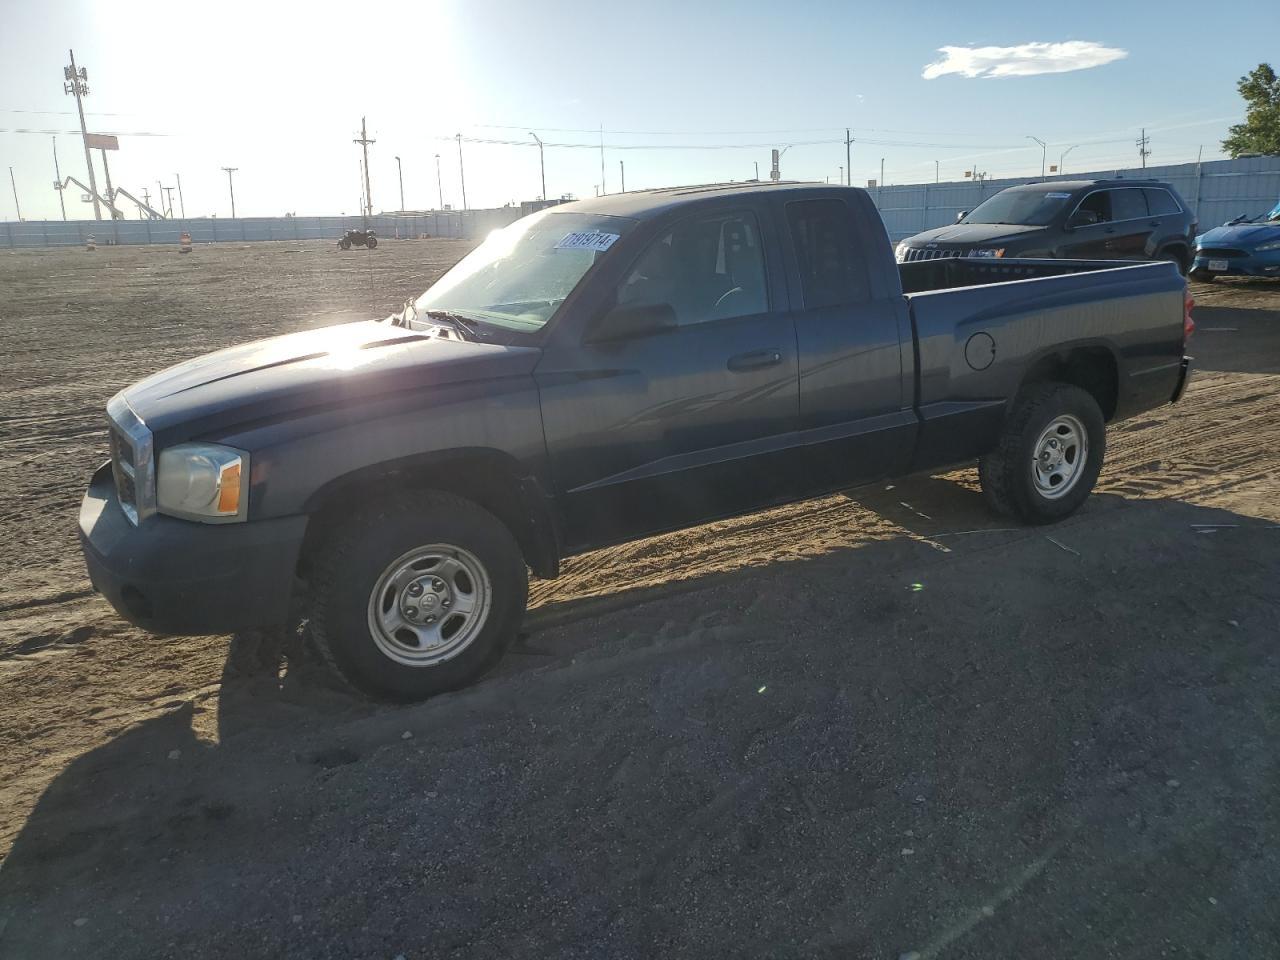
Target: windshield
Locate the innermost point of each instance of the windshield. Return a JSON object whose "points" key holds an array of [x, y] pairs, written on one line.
{"points": [[1032, 208], [522, 273]]}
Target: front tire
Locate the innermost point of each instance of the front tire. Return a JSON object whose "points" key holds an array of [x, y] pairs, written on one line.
{"points": [[1049, 455], [372, 242], [417, 596]]}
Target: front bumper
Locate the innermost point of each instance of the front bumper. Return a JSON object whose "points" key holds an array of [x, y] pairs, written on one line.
{"points": [[176, 576], [1258, 265]]}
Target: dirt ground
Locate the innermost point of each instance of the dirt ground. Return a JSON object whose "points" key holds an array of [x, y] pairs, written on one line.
{"points": [[881, 724]]}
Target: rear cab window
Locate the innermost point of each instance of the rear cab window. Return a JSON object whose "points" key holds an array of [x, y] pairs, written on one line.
{"points": [[832, 266]]}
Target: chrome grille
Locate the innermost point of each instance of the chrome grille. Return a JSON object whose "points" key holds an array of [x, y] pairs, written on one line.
{"points": [[131, 460], [921, 253]]}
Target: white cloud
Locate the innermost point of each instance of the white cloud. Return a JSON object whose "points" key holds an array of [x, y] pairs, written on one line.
{"points": [[1024, 60]]}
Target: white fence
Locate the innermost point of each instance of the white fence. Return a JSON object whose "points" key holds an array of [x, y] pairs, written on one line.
{"points": [[1217, 191], [68, 233]]}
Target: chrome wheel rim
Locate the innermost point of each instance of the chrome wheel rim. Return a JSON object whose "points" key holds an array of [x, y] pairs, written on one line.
{"points": [[1059, 457], [429, 605]]}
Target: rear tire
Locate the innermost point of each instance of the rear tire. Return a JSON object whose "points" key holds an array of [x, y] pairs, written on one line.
{"points": [[418, 596], [1049, 455], [344, 244]]}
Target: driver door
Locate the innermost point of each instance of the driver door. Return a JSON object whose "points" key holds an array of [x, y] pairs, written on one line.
{"points": [[662, 428]]}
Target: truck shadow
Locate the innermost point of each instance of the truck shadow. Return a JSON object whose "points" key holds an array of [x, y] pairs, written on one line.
{"points": [[946, 700]]}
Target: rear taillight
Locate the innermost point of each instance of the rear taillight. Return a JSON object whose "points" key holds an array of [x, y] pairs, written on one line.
{"points": [[1188, 324]]}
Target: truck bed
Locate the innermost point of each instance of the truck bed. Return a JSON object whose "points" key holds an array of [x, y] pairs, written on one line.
{"points": [[925, 276], [983, 326]]}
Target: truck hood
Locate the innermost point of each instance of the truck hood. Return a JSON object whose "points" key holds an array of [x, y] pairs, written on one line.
{"points": [[307, 372], [972, 234], [1241, 235]]}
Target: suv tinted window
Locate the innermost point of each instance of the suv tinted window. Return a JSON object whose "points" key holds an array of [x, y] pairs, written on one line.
{"points": [[1128, 204], [1098, 203], [706, 268], [1161, 203], [832, 269]]}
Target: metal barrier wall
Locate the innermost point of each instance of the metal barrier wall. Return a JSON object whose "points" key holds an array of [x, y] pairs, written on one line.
{"points": [[69, 233], [1218, 190]]}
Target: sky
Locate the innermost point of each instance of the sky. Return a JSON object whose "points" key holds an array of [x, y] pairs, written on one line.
{"points": [[684, 92]]}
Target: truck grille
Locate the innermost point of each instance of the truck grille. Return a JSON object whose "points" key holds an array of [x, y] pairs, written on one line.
{"points": [[1222, 253], [131, 460], [921, 253]]}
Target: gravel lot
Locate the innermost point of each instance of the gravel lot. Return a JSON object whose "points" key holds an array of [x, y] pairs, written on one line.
{"points": [[880, 724]]}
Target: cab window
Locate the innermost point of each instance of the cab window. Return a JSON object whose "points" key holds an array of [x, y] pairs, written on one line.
{"points": [[705, 268], [832, 269]]}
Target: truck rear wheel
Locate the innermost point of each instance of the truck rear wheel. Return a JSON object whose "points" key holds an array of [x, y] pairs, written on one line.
{"points": [[421, 595], [1049, 456]]}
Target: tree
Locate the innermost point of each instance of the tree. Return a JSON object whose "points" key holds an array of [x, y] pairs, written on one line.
{"points": [[1260, 132]]}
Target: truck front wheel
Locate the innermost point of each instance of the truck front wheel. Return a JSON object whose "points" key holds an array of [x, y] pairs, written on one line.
{"points": [[1049, 455], [420, 595]]}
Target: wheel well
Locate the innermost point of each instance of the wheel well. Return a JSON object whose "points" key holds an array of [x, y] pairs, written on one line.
{"points": [[488, 480], [1092, 369], [1182, 251]]}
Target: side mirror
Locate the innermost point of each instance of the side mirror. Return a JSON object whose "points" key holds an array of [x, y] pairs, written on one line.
{"points": [[961, 215], [634, 320], [1081, 218]]}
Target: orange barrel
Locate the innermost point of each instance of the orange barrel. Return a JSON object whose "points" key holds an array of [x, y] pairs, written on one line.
{"points": [[184, 242]]}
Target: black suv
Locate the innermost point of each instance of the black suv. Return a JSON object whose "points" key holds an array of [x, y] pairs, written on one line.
{"points": [[1069, 219]]}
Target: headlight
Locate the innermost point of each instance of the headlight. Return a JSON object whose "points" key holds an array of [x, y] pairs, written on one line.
{"points": [[203, 481], [900, 252], [1264, 248], [988, 252]]}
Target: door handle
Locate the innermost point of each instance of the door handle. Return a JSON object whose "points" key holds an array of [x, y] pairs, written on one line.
{"points": [[755, 360]]}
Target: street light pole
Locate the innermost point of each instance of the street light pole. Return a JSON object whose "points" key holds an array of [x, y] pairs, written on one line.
{"points": [[462, 174], [14, 184], [58, 185], [182, 204], [1064, 157], [1043, 152], [232, 187], [400, 171], [542, 163]]}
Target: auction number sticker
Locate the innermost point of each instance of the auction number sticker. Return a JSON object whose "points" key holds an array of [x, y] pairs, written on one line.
{"points": [[587, 240], [1057, 196]]}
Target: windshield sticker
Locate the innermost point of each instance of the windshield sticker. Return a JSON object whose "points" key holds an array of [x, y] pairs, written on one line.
{"points": [[1057, 196], [588, 240]]}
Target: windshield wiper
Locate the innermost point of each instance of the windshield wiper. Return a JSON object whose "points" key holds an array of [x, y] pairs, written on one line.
{"points": [[457, 321]]}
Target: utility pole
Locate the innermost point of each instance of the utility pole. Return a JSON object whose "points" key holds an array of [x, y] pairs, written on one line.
{"points": [[462, 174], [169, 190], [400, 171], [842, 175], [439, 183], [57, 185], [232, 187], [848, 155], [146, 198], [160, 194], [880, 182], [77, 81], [181, 203], [622, 172], [603, 188], [1143, 152], [1043, 150], [542, 163], [757, 163], [364, 142], [937, 172], [13, 183]]}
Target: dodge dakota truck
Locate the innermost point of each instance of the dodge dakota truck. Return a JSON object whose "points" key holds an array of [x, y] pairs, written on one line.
{"points": [[591, 374]]}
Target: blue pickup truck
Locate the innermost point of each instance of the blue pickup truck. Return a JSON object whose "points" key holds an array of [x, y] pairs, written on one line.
{"points": [[592, 374]]}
